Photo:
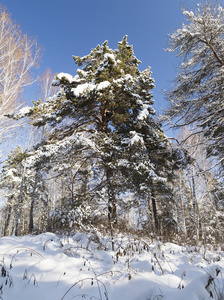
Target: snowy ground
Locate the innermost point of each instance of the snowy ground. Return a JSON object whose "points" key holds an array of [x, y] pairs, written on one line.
{"points": [[50, 267]]}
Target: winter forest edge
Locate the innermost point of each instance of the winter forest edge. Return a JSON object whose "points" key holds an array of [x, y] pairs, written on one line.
{"points": [[98, 161]]}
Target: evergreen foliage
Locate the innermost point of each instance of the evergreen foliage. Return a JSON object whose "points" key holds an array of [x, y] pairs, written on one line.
{"points": [[103, 117], [103, 161], [26, 194], [197, 97]]}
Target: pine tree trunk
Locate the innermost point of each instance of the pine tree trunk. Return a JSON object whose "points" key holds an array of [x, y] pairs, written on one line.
{"points": [[31, 223], [112, 215], [197, 224], [7, 221], [182, 209], [154, 208], [112, 210], [19, 204]]}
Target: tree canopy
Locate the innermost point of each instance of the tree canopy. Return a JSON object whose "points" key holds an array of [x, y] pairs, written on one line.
{"points": [[103, 117], [197, 96]]}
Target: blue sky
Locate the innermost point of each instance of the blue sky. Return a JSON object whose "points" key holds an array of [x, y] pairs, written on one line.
{"points": [[72, 27]]}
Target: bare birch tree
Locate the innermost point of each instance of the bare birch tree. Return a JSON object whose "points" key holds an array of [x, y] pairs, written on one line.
{"points": [[46, 89], [199, 215], [18, 55]]}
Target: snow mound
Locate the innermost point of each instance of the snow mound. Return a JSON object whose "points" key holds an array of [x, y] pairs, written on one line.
{"points": [[49, 266]]}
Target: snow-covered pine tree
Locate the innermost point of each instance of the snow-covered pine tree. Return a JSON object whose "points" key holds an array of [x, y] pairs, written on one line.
{"points": [[15, 191], [103, 116], [25, 195], [197, 96]]}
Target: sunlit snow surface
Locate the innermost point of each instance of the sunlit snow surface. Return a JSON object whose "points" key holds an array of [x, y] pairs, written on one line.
{"points": [[54, 267]]}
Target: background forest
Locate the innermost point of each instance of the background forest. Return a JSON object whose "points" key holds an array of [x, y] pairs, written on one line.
{"points": [[97, 158]]}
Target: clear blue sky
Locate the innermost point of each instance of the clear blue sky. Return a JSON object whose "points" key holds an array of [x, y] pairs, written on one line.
{"points": [[72, 27]]}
